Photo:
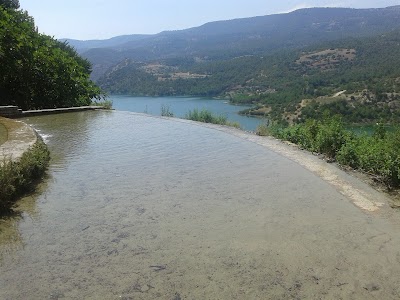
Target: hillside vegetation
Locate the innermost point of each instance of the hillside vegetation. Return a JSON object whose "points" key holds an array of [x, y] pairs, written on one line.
{"points": [[248, 36], [356, 77], [376, 155], [290, 66]]}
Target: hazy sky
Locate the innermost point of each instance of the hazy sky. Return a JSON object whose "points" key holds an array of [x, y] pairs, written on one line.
{"points": [[99, 19]]}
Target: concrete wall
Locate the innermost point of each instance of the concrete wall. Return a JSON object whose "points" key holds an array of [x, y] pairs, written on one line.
{"points": [[10, 111]]}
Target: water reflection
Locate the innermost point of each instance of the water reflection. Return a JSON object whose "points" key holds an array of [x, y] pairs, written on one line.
{"points": [[66, 134]]}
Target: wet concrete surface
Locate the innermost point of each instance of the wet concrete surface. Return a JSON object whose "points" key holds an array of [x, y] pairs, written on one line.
{"points": [[20, 137]]}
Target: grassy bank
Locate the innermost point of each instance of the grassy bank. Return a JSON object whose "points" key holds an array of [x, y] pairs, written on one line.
{"points": [[377, 155], [207, 116], [19, 177]]}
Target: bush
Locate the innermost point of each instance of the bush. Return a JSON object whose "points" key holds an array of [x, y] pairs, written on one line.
{"points": [[349, 154], [166, 111], [331, 136], [106, 104], [206, 116], [18, 177], [381, 157], [263, 130], [377, 155], [326, 137]]}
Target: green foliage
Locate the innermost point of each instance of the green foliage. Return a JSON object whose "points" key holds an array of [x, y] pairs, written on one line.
{"points": [[262, 130], [37, 71], [18, 177], [330, 137], [377, 155], [352, 113], [166, 111], [207, 116], [277, 81], [233, 124], [106, 104], [12, 4], [348, 154]]}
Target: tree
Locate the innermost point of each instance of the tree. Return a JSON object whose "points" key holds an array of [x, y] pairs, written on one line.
{"points": [[14, 4], [37, 71]]}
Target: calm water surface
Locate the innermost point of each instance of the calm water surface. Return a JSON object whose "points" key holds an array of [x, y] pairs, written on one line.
{"points": [[137, 207], [181, 105]]}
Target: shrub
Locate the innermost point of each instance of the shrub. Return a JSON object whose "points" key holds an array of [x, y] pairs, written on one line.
{"points": [[263, 130], [377, 155], [18, 177], [331, 136], [166, 111], [348, 155], [206, 116], [233, 124], [381, 157], [106, 104]]}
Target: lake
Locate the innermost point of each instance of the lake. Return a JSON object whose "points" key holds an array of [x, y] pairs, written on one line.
{"points": [[141, 207], [181, 105]]}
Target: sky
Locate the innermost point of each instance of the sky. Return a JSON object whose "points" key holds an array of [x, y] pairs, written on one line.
{"points": [[101, 19]]}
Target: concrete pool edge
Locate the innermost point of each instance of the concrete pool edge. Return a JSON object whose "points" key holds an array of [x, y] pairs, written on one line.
{"points": [[21, 137]]}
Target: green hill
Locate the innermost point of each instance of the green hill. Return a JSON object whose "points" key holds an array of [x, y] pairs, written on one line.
{"points": [[290, 66], [249, 36], [367, 68]]}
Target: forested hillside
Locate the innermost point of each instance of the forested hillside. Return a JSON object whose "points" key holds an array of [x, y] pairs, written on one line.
{"points": [[249, 36], [292, 84], [37, 71]]}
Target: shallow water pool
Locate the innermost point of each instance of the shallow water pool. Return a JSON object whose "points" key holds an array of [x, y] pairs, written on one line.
{"points": [[137, 207]]}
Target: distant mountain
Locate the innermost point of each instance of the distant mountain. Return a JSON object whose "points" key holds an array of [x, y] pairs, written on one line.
{"points": [[82, 46], [249, 36]]}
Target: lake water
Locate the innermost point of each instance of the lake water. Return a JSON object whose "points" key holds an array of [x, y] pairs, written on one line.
{"points": [[181, 105], [138, 207]]}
